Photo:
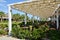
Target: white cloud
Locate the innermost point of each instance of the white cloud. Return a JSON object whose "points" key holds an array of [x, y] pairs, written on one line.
{"points": [[2, 1]]}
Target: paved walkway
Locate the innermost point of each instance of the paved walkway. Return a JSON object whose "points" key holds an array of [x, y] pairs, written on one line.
{"points": [[8, 38], [12, 38]]}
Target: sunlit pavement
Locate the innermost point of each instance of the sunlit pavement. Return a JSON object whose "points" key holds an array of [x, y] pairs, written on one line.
{"points": [[7, 38]]}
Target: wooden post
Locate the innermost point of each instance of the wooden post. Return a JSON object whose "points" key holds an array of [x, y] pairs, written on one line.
{"points": [[58, 16], [37, 19], [33, 19], [57, 20], [25, 19], [10, 21]]}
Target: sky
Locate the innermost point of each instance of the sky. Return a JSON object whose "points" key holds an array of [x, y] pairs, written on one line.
{"points": [[4, 6]]}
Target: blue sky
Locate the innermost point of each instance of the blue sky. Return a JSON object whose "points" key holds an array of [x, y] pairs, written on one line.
{"points": [[4, 6], [4, 3]]}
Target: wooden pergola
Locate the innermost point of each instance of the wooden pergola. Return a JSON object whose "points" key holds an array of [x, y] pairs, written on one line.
{"points": [[41, 8]]}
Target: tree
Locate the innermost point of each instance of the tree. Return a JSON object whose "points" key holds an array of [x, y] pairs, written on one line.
{"points": [[16, 17], [1, 15], [22, 17]]}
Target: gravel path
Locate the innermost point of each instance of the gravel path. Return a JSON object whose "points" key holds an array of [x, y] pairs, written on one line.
{"points": [[8, 38]]}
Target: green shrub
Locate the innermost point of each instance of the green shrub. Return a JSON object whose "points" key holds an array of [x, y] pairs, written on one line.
{"points": [[27, 34], [3, 32], [2, 26], [54, 34], [36, 34], [40, 32], [24, 34], [44, 28], [19, 32], [15, 31]]}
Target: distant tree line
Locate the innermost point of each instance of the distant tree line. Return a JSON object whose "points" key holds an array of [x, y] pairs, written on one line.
{"points": [[15, 17]]}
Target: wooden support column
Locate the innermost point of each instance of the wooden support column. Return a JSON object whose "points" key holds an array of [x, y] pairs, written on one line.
{"points": [[25, 19], [37, 19], [33, 19], [10, 21], [57, 17], [57, 20]]}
